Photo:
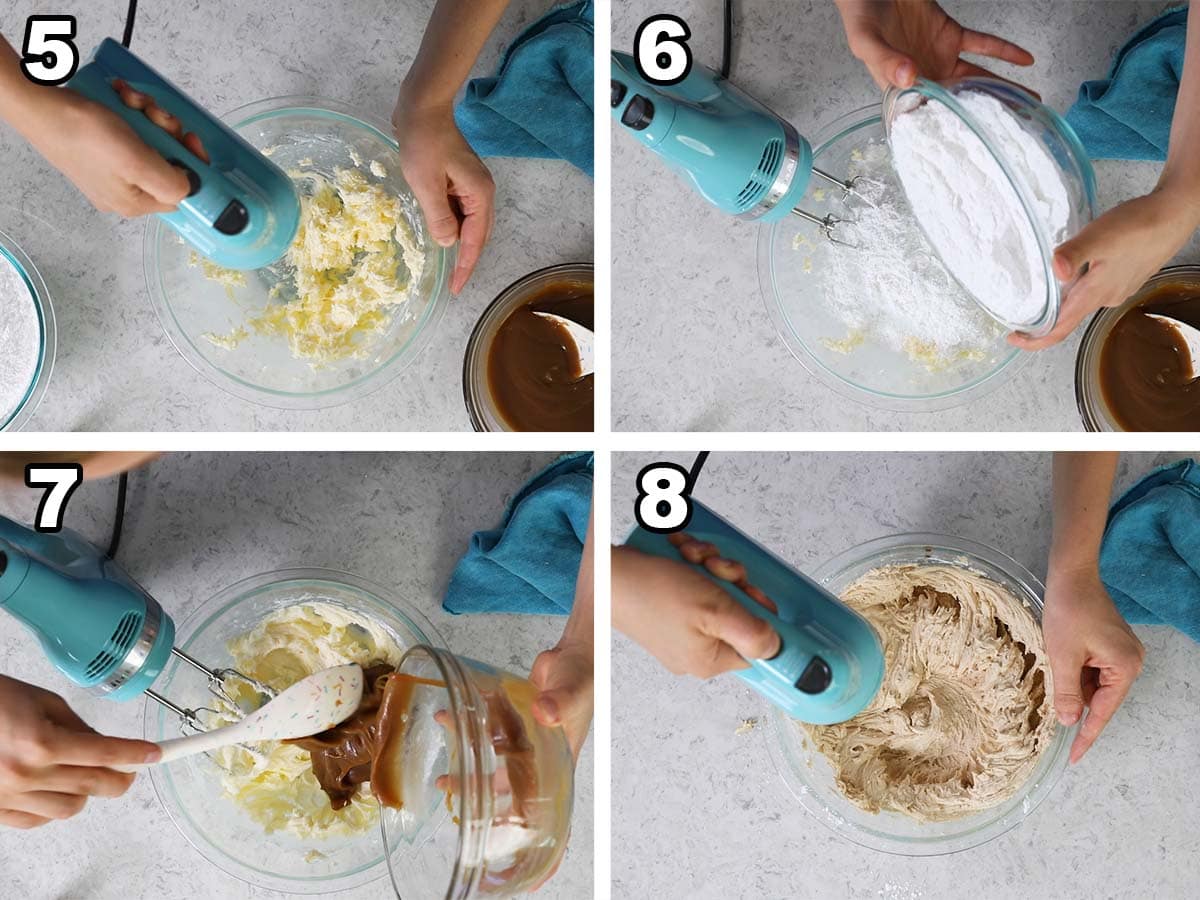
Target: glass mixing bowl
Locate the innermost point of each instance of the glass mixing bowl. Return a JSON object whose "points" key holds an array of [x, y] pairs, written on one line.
{"points": [[1055, 136], [189, 789], [1088, 396], [478, 395], [803, 302], [807, 772], [321, 134], [16, 418]]}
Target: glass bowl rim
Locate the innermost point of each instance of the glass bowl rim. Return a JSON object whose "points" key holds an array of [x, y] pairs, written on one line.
{"points": [[32, 276]]}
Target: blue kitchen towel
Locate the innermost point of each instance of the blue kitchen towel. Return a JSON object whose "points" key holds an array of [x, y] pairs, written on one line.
{"points": [[529, 563], [1128, 114], [539, 103], [1150, 558]]}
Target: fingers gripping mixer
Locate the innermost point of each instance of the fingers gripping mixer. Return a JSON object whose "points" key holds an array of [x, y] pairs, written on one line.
{"points": [[94, 622], [830, 662], [242, 211], [736, 153]]}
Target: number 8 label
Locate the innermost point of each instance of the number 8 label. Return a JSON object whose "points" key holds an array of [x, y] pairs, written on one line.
{"points": [[664, 502]]}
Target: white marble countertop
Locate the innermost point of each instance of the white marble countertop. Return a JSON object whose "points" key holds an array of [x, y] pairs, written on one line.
{"points": [[197, 523], [694, 348], [700, 812], [116, 370]]}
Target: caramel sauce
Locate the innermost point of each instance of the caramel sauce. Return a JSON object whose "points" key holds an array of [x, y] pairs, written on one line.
{"points": [[533, 377], [1144, 364], [366, 746]]}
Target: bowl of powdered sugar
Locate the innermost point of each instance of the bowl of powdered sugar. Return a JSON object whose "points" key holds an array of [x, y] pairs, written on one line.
{"points": [[27, 336], [996, 180], [884, 323]]}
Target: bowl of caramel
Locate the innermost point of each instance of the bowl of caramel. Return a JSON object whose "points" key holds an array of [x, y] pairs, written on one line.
{"points": [[1133, 372], [521, 371]]}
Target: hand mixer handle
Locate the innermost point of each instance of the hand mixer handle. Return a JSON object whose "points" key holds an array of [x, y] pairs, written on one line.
{"points": [[798, 652], [830, 662], [642, 108], [210, 190], [217, 208], [648, 110]]}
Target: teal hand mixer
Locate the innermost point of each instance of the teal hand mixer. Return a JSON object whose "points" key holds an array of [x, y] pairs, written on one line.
{"points": [[738, 155], [242, 211], [96, 625], [830, 662]]}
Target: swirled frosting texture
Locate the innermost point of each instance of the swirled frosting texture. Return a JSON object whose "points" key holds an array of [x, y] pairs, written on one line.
{"points": [[964, 710]]}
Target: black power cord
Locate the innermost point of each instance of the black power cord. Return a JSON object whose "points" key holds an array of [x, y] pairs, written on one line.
{"points": [[114, 543], [697, 467], [130, 17], [727, 41]]}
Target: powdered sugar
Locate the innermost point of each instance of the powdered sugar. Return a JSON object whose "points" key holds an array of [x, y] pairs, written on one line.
{"points": [[970, 210], [20, 338], [894, 290]]}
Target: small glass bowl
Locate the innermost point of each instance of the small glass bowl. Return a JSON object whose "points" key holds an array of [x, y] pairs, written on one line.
{"points": [[1056, 137], [1088, 396], [808, 773], [319, 136], [481, 406], [801, 304], [17, 418], [189, 789], [502, 828]]}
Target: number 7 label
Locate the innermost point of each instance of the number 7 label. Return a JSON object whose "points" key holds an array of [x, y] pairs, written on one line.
{"points": [[61, 479]]}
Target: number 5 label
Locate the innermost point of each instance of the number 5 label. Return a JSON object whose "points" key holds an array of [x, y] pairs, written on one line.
{"points": [[664, 502], [660, 50], [48, 56], [61, 479]]}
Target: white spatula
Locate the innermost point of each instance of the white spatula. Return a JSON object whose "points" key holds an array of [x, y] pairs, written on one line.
{"points": [[1190, 335], [309, 706], [584, 341]]}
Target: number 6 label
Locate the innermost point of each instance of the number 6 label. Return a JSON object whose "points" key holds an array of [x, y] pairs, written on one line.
{"points": [[660, 50], [48, 56], [664, 503], [61, 479]]}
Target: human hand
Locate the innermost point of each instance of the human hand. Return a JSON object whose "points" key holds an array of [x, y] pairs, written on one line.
{"points": [[689, 624], [899, 40], [1094, 655], [51, 761], [563, 677], [1121, 250], [103, 156], [453, 186]]}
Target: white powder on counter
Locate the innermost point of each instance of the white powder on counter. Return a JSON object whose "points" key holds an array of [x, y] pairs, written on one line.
{"points": [[893, 289], [20, 338], [968, 207]]}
